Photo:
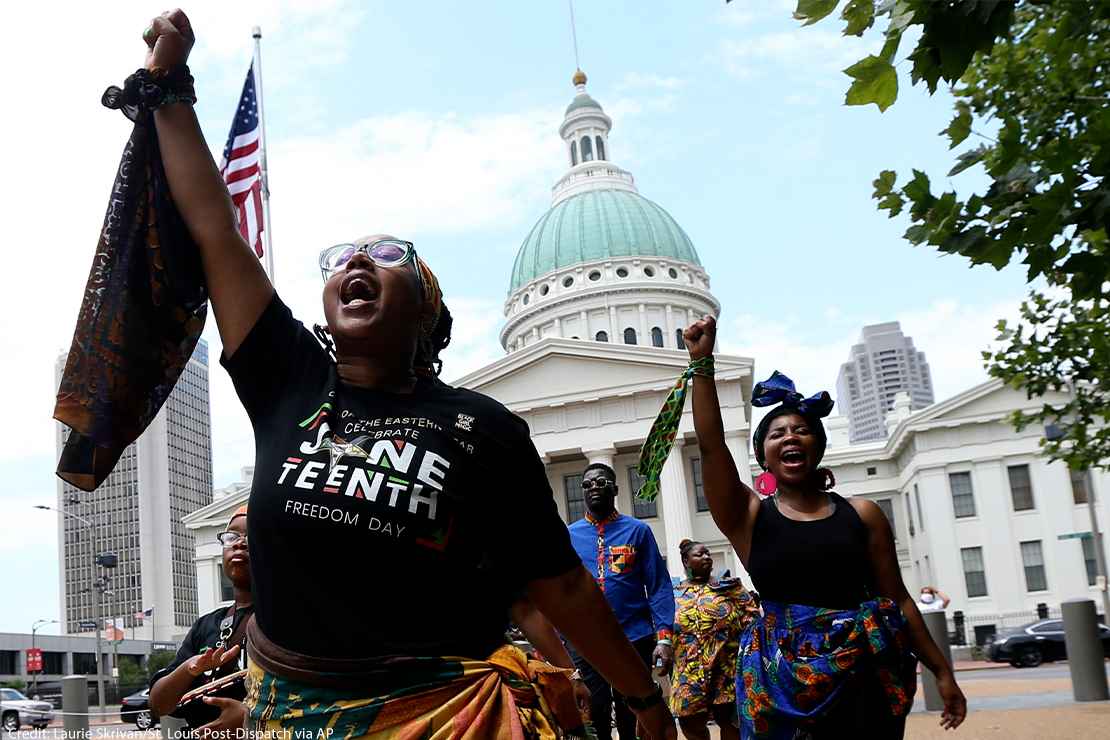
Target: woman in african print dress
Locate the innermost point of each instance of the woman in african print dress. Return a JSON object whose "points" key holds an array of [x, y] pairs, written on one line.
{"points": [[709, 617], [835, 651]]}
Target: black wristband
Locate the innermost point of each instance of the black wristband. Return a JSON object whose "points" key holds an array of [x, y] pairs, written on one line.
{"points": [[639, 704], [147, 90]]}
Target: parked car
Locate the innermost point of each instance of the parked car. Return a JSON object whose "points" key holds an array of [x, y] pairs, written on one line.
{"points": [[17, 710], [136, 709], [1032, 644]]}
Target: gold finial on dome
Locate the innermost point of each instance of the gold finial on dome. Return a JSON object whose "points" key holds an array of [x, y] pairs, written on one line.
{"points": [[579, 77]]}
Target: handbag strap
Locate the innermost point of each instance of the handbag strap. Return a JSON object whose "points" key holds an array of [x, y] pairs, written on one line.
{"points": [[233, 627]]}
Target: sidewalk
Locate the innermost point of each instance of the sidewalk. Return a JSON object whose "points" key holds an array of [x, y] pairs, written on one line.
{"points": [[977, 665], [110, 716]]}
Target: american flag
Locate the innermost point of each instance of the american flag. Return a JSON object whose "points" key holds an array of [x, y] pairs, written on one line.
{"points": [[240, 166]]}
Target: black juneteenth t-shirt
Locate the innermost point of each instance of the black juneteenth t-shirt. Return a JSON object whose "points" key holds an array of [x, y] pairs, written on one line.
{"points": [[376, 519]]}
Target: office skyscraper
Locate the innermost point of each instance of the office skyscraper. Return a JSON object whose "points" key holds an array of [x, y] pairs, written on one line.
{"points": [[884, 363], [164, 475]]}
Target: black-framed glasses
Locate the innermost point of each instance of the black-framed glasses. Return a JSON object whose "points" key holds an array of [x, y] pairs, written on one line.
{"points": [[383, 253], [598, 483], [231, 539]]}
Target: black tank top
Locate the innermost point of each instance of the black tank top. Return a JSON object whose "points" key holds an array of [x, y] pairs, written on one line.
{"points": [[823, 563]]}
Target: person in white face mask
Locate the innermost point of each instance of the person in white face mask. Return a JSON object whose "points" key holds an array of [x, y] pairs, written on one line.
{"points": [[932, 600]]}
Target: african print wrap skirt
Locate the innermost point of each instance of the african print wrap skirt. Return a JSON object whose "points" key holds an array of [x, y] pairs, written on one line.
{"points": [[505, 697], [798, 661]]}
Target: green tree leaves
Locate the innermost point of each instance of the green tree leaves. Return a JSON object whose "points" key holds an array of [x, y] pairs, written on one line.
{"points": [[1035, 71], [859, 16], [960, 126], [875, 82], [1061, 346], [811, 11]]}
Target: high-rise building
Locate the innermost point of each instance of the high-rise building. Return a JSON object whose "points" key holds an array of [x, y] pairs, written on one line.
{"points": [[137, 513], [884, 363]]}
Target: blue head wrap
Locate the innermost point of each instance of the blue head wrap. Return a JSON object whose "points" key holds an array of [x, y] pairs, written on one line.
{"points": [[780, 389]]}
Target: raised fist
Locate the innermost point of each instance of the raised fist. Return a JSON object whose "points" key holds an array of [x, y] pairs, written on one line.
{"points": [[700, 337], [169, 39]]}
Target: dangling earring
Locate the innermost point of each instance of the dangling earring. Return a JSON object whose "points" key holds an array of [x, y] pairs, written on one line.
{"points": [[765, 483]]}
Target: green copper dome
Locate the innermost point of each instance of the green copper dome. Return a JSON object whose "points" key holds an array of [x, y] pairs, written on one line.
{"points": [[598, 225], [582, 100]]}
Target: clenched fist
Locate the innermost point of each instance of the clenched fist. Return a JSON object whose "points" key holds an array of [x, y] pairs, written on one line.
{"points": [[700, 337], [169, 39]]}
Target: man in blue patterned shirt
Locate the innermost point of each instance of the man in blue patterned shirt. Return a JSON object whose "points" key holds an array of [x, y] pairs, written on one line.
{"points": [[623, 557]]}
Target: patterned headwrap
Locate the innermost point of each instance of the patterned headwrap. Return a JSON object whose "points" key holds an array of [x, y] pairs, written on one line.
{"points": [[432, 295], [780, 389], [241, 511]]}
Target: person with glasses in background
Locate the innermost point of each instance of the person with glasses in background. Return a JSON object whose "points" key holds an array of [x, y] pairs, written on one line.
{"points": [[621, 554], [392, 517], [214, 647]]}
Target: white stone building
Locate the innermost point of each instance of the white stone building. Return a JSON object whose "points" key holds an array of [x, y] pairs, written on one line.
{"points": [[978, 512], [598, 292], [881, 365]]}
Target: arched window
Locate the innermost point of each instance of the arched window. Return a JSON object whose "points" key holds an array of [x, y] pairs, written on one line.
{"points": [[630, 335], [587, 149], [602, 336], [656, 337], [573, 153], [678, 339], [600, 148]]}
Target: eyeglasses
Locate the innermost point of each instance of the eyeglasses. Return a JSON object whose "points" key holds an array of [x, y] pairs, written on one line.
{"points": [[231, 539], [598, 483], [383, 253]]}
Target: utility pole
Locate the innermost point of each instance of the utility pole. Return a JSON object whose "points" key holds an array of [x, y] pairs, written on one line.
{"points": [[98, 594], [34, 629]]}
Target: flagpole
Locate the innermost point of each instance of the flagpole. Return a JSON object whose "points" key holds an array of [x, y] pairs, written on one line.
{"points": [[268, 246]]}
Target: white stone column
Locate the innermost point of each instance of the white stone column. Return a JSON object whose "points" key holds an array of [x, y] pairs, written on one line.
{"points": [[604, 455], [613, 334], [670, 326], [675, 498], [645, 338], [608, 456]]}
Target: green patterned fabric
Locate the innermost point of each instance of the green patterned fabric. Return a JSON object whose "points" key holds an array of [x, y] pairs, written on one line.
{"points": [[657, 446]]}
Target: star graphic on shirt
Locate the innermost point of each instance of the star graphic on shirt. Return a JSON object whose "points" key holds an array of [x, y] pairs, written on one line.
{"points": [[338, 448]]}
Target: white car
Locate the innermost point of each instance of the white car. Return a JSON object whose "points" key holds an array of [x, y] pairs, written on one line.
{"points": [[17, 710]]}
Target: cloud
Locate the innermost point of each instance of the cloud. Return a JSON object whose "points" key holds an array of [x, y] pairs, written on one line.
{"points": [[427, 172], [798, 52], [744, 13], [950, 332], [636, 80]]}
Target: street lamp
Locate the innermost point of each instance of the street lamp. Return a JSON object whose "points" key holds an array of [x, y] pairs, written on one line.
{"points": [[95, 586], [34, 629]]}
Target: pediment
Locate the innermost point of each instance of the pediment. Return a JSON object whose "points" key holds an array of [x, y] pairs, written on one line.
{"points": [[988, 400], [565, 371]]}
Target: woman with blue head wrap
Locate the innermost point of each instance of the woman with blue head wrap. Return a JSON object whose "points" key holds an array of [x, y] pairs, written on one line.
{"points": [[835, 652]]}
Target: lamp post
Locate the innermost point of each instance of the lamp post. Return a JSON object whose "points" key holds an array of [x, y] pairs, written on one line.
{"points": [[34, 628], [96, 601]]}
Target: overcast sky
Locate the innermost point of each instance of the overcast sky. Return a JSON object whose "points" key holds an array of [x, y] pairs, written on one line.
{"points": [[437, 122]]}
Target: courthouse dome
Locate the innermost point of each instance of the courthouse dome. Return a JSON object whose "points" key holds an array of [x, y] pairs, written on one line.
{"points": [[604, 263], [598, 225]]}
